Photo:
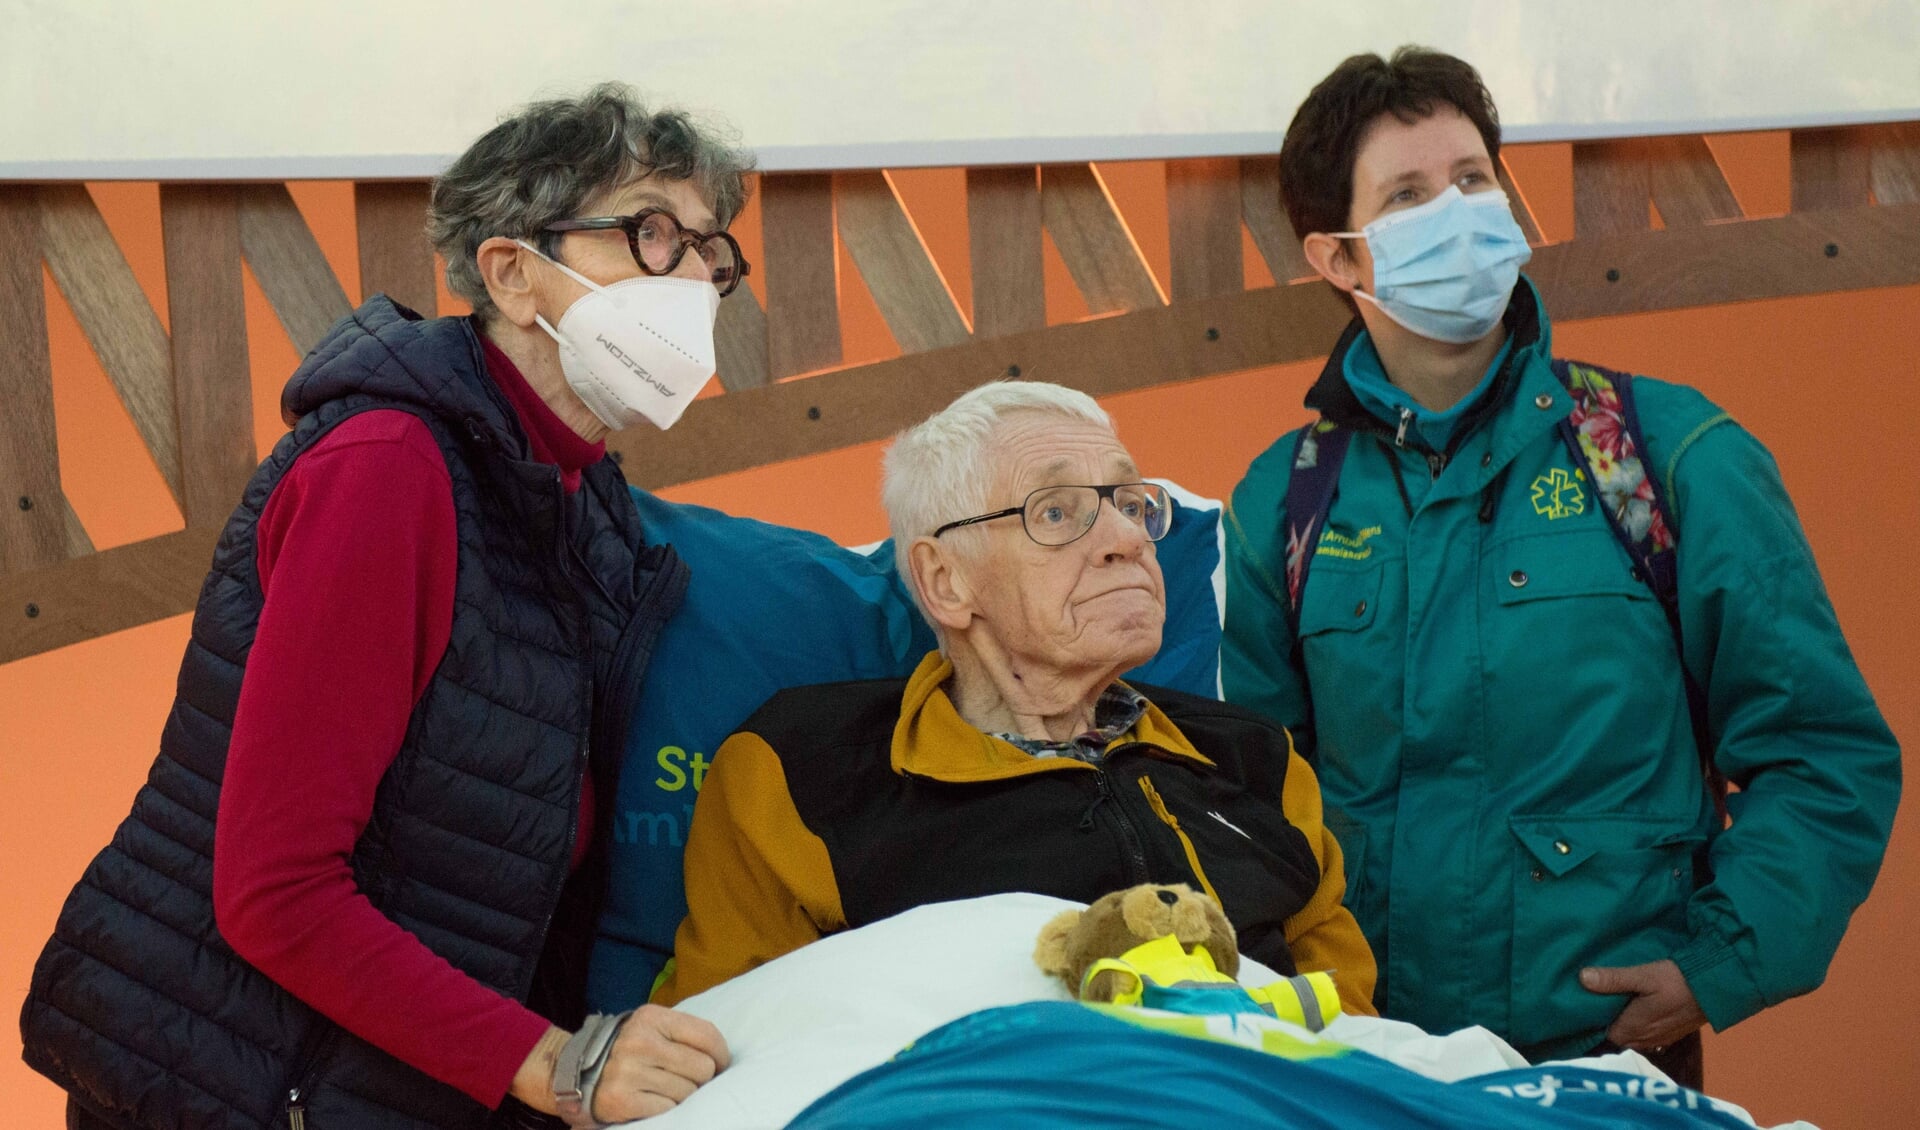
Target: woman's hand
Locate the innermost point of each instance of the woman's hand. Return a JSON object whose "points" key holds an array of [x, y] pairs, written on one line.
{"points": [[658, 1059]]}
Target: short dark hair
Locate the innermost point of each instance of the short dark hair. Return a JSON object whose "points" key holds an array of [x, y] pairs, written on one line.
{"points": [[1317, 155], [546, 160]]}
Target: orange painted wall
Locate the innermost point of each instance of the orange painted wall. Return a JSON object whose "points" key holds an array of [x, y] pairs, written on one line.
{"points": [[1829, 383]]}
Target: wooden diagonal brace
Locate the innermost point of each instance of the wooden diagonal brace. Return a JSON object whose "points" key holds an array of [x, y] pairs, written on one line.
{"points": [[906, 285], [1266, 219], [119, 322], [288, 263], [740, 340], [1100, 252]]}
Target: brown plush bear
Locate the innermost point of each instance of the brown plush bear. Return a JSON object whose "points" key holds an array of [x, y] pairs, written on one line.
{"points": [[1116, 923]]}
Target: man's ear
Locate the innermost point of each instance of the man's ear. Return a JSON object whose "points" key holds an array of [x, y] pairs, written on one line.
{"points": [[1330, 257], [503, 267], [945, 596]]}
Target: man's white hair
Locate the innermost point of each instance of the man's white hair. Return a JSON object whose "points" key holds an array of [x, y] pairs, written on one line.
{"points": [[937, 471]]}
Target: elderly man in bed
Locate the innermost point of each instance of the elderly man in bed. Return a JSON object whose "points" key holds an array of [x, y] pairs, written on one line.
{"points": [[1014, 758]]}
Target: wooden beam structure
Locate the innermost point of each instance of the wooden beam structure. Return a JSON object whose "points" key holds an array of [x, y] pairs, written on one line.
{"points": [[1663, 270], [1267, 221], [119, 322], [1832, 168], [740, 340], [32, 509], [288, 263], [803, 273], [1004, 246], [899, 271], [1893, 164], [1686, 182], [1099, 250], [1203, 228], [1517, 202], [1611, 187], [1657, 227], [212, 383], [395, 258], [108, 591], [1104, 355]]}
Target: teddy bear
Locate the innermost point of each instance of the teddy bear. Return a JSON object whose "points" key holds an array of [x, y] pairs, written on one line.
{"points": [[1170, 947], [1074, 940]]}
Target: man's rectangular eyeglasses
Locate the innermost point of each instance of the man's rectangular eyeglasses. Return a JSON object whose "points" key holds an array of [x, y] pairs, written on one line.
{"points": [[658, 243], [1058, 515]]}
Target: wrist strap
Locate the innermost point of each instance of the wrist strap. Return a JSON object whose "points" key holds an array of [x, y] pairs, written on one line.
{"points": [[576, 1075]]}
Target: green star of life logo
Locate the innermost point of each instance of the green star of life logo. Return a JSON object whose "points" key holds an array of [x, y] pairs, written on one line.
{"points": [[1558, 494]]}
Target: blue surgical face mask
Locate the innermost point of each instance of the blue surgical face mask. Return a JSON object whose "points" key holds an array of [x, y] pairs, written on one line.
{"points": [[1445, 269]]}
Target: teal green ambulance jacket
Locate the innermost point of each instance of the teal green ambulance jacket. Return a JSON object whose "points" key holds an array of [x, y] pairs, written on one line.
{"points": [[1495, 706]]}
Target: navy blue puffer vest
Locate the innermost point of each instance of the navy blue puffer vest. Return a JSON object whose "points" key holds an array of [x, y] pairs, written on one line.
{"points": [[139, 1008]]}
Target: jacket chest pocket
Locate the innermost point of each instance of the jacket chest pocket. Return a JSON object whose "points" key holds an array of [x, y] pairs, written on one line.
{"points": [[1591, 890], [1581, 563], [1352, 647], [1339, 601], [1566, 626], [1336, 613]]}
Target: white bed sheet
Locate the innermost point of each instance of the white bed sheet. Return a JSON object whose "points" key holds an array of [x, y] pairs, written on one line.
{"points": [[801, 1025]]}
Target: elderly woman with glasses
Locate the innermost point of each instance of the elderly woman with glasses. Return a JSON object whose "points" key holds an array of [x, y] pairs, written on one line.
{"points": [[359, 886], [1014, 758]]}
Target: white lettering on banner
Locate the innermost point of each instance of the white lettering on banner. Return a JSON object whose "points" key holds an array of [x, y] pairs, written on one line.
{"points": [[1662, 1092]]}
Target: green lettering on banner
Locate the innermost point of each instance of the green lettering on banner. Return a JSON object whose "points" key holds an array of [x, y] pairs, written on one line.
{"points": [[674, 762], [671, 758]]}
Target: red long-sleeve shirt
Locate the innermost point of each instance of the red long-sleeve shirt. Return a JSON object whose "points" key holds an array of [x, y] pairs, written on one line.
{"points": [[356, 552]]}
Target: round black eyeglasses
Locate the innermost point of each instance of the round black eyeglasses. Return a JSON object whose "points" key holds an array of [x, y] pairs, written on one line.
{"points": [[1060, 515], [659, 242]]}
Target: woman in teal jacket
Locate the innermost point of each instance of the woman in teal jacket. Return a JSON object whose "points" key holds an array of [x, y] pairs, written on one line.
{"points": [[1492, 696]]}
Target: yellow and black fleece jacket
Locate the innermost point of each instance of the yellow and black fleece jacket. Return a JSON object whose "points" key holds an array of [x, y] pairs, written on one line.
{"points": [[839, 805]]}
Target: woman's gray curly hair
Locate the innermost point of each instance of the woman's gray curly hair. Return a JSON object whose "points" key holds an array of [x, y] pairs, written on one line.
{"points": [[543, 163]]}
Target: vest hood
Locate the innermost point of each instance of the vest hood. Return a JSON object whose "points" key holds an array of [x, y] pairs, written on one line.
{"points": [[387, 351]]}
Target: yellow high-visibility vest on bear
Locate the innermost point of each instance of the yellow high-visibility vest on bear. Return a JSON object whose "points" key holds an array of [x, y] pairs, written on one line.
{"points": [[1163, 974]]}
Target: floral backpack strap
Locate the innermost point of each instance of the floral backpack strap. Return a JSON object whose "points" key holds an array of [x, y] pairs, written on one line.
{"points": [[1603, 434], [1317, 456]]}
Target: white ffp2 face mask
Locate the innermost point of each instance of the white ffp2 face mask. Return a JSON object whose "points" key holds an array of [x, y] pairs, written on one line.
{"points": [[640, 349]]}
